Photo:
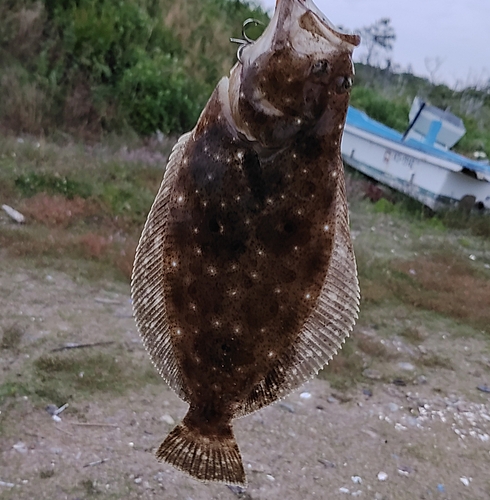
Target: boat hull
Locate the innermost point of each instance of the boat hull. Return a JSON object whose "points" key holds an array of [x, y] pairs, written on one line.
{"points": [[433, 181]]}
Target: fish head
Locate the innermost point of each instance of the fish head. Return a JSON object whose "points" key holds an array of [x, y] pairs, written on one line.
{"points": [[296, 76]]}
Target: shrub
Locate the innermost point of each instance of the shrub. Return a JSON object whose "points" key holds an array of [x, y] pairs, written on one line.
{"points": [[157, 94], [391, 113]]}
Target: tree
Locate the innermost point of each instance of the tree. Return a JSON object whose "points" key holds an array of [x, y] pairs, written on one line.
{"points": [[378, 36]]}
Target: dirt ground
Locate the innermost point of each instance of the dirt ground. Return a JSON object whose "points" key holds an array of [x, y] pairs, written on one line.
{"points": [[425, 436]]}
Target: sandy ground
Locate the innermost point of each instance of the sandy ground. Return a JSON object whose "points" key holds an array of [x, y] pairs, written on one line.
{"points": [[427, 439]]}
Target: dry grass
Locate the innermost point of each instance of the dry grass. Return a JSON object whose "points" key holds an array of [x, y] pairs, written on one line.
{"points": [[443, 282], [345, 369], [24, 105], [436, 361], [449, 285], [56, 210]]}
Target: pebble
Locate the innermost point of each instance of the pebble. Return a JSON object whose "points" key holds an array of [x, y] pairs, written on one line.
{"points": [[344, 490], [382, 476], [371, 374], [357, 493], [327, 463], [13, 214], [465, 480], [305, 395], [287, 407], [167, 419], [406, 366], [20, 447], [484, 388], [393, 407], [138, 480], [356, 479]]}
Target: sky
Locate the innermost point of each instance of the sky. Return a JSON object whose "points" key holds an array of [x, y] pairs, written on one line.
{"points": [[450, 38]]}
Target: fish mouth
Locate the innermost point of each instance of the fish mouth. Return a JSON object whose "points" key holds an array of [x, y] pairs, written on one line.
{"points": [[302, 25]]}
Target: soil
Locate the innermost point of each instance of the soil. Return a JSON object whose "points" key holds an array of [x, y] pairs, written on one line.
{"points": [[408, 431]]}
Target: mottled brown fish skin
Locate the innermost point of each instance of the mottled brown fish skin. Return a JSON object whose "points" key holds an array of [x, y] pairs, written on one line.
{"points": [[245, 244]]}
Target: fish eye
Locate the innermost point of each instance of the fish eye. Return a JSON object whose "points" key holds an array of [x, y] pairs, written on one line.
{"points": [[344, 84], [320, 67]]}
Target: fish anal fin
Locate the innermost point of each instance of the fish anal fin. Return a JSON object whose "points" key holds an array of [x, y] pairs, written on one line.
{"points": [[203, 456]]}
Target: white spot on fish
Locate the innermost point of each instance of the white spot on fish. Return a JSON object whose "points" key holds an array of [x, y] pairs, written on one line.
{"points": [[326, 227], [212, 271], [239, 155]]}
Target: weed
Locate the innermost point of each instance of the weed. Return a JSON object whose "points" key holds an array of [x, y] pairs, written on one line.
{"points": [[56, 210], [94, 245], [373, 347], [46, 473], [345, 369], [443, 282], [60, 377], [436, 361], [384, 206], [34, 182], [412, 334], [89, 487], [12, 390], [11, 337]]}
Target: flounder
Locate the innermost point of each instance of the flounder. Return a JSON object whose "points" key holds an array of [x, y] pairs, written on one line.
{"points": [[244, 282]]}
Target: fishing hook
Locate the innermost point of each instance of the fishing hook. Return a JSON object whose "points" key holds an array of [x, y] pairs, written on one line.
{"points": [[245, 40]]}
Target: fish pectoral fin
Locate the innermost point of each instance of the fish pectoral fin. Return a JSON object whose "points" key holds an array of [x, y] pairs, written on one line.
{"points": [[207, 457]]}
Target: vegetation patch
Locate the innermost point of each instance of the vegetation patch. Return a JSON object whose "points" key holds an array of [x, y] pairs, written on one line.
{"points": [[59, 378], [11, 337], [345, 369], [443, 283], [56, 210]]}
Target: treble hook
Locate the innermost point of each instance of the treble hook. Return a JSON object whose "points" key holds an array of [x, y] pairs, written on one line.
{"points": [[246, 40]]}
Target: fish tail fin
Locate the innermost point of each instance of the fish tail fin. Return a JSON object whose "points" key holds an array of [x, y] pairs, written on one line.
{"points": [[205, 457]]}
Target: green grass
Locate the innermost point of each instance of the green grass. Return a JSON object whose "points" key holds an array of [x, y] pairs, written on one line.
{"points": [[59, 377], [73, 375]]}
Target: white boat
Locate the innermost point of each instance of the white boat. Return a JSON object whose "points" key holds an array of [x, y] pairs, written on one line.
{"points": [[418, 163]]}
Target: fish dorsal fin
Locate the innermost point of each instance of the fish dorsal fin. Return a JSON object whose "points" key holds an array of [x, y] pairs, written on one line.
{"points": [[147, 289], [328, 325]]}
